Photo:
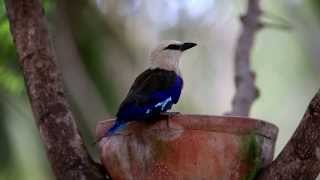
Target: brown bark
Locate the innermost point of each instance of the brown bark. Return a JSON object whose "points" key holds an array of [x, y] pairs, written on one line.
{"points": [[64, 146], [300, 158], [246, 91]]}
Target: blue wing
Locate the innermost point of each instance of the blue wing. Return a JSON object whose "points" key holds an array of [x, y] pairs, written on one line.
{"points": [[154, 91]]}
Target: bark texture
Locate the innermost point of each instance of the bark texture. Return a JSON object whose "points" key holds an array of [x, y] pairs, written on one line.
{"points": [[64, 146], [300, 158], [246, 91]]}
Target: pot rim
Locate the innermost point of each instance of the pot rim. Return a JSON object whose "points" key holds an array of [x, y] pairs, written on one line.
{"points": [[213, 123]]}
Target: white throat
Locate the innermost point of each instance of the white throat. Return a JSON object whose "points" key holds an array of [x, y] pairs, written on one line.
{"points": [[168, 61]]}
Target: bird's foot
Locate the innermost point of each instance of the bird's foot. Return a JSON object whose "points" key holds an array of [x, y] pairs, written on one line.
{"points": [[169, 115]]}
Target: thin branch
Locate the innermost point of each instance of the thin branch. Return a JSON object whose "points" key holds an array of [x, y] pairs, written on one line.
{"points": [[300, 158], [246, 91], [280, 21], [63, 143], [276, 26]]}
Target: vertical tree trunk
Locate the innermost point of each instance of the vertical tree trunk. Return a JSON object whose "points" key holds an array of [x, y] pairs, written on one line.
{"points": [[300, 158], [246, 91], [64, 146]]}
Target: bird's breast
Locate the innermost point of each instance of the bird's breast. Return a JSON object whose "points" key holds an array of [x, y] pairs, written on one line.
{"points": [[175, 89]]}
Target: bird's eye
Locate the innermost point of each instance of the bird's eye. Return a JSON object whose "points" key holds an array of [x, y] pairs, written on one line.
{"points": [[173, 47]]}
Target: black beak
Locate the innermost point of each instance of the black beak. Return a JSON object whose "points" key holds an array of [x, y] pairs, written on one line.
{"points": [[187, 45]]}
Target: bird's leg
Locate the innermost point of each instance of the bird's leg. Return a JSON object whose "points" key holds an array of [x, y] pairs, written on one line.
{"points": [[172, 114], [169, 115], [168, 125]]}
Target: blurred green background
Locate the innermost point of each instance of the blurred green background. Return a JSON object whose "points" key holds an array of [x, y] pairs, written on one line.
{"points": [[103, 44]]}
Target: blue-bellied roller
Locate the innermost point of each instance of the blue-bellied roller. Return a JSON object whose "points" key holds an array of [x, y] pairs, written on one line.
{"points": [[156, 89]]}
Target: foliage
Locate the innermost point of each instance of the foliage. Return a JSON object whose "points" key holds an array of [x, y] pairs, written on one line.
{"points": [[90, 36], [10, 79], [316, 6]]}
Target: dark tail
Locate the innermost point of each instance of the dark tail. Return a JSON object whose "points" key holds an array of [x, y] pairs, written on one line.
{"points": [[117, 126]]}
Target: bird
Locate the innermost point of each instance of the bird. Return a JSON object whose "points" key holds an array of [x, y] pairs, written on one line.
{"points": [[156, 89]]}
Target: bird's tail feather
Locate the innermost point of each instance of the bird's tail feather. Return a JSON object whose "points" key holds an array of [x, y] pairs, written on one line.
{"points": [[118, 125]]}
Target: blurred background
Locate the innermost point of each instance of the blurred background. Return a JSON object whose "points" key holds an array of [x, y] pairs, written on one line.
{"points": [[102, 45]]}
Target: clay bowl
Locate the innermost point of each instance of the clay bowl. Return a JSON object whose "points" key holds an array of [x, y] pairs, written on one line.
{"points": [[188, 147]]}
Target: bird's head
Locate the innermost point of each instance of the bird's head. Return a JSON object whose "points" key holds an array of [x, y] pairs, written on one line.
{"points": [[167, 54]]}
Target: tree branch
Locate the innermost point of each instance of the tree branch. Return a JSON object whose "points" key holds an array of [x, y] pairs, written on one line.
{"points": [[246, 91], [300, 158], [64, 146]]}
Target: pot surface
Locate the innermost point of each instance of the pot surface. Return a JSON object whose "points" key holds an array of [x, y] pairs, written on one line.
{"points": [[188, 147]]}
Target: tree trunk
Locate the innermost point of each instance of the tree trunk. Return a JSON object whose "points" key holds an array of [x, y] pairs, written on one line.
{"points": [[299, 160], [63, 143], [246, 91]]}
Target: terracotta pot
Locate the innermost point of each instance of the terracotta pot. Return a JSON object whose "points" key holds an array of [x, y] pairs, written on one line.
{"points": [[189, 147]]}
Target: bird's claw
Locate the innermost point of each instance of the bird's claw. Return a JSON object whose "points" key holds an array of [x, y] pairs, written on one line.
{"points": [[169, 114]]}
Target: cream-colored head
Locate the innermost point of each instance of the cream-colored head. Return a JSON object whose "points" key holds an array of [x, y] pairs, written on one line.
{"points": [[167, 55]]}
